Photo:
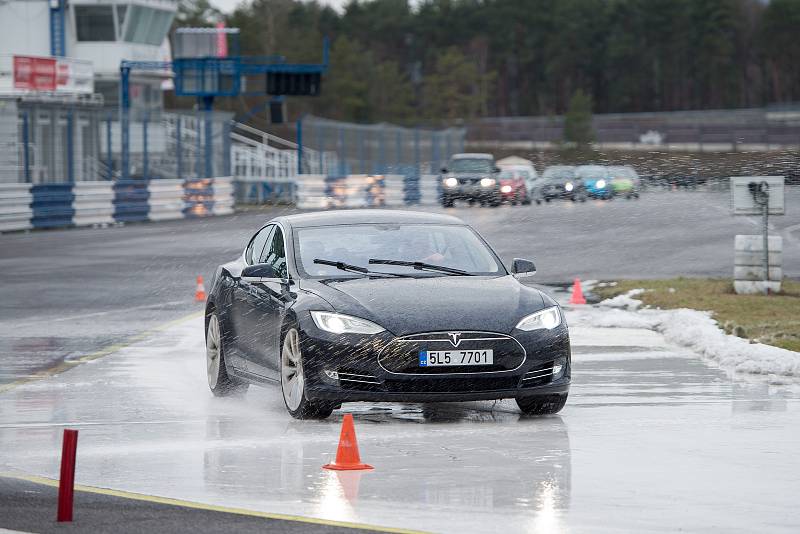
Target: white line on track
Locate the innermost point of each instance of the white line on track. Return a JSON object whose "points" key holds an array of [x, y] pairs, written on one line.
{"points": [[108, 312]]}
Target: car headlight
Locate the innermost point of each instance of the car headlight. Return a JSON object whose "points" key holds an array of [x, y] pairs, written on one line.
{"points": [[568, 186], [601, 184], [487, 182], [451, 182], [506, 189], [338, 323], [548, 318]]}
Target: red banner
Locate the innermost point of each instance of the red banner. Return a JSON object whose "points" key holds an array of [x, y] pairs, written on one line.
{"points": [[34, 73]]}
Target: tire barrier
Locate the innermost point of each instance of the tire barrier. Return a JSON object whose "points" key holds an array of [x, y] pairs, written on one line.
{"points": [[94, 203], [319, 192], [131, 201], [15, 207], [26, 206], [165, 200], [430, 189], [52, 205], [394, 190], [264, 192], [208, 196], [312, 191]]}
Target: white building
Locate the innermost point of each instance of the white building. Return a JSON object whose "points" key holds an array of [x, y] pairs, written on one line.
{"points": [[103, 32], [59, 67]]}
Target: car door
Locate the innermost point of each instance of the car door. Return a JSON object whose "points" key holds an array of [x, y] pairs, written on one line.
{"points": [[240, 311], [269, 299]]}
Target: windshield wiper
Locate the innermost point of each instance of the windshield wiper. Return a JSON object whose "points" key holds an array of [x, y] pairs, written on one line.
{"points": [[342, 266], [421, 266]]}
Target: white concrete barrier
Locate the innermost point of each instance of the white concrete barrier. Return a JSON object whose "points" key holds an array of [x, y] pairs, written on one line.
{"points": [[15, 207], [748, 270], [429, 189], [93, 203], [223, 195], [166, 199], [394, 190], [311, 192]]}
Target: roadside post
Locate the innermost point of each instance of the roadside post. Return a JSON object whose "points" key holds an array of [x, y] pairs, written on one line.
{"points": [[757, 263], [66, 482]]}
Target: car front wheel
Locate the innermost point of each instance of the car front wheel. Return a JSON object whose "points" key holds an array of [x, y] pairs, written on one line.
{"points": [[293, 381], [544, 405]]}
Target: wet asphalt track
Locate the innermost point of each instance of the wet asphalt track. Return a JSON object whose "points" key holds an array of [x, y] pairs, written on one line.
{"points": [[68, 293], [652, 439]]}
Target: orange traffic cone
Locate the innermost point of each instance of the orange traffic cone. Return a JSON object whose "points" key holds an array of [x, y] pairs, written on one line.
{"points": [[577, 293], [347, 457], [200, 294]]}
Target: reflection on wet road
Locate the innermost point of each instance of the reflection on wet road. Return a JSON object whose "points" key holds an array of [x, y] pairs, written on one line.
{"points": [[651, 440]]}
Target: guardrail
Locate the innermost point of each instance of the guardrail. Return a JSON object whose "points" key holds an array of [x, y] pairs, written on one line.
{"points": [[26, 206]]}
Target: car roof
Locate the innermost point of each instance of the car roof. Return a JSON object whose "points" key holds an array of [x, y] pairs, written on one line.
{"points": [[365, 216], [473, 155]]}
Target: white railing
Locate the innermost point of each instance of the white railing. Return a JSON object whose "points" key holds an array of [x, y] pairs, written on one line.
{"points": [[257, 155]]}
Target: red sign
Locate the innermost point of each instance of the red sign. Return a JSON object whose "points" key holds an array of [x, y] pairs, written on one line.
{"points": [[34, 73], [222, 40]]}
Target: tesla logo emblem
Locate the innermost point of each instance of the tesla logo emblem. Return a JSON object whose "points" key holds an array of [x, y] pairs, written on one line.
{"points": [[455, 338]]}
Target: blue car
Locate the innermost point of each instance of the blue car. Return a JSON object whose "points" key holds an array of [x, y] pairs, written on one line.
{"points": [[596, 180]]}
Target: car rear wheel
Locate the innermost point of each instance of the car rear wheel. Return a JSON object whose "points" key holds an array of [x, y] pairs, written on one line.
{"points": [[544, 405], [293, 381], [220, 384]]}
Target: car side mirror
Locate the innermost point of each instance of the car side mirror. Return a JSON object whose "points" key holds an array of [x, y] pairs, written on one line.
{"points": [[444, 170], [258, 272], [496, 170], [522, 268]]}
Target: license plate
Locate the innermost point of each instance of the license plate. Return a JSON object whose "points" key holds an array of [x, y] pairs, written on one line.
{"points": [[439, 358]]}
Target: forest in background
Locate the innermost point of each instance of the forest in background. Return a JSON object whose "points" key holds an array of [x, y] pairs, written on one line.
{"points": [[451, 60]]}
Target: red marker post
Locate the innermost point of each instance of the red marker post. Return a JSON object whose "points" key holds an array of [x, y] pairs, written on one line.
{"points": [[66, 483]]}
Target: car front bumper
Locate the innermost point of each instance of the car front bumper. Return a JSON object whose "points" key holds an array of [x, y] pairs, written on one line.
{"points": [[358, 362], [471, 192]]}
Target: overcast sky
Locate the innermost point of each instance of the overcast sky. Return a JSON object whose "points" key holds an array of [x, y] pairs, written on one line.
{"points": [[227, 6]]}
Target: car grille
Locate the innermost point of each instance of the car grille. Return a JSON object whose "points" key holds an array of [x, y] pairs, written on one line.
{"points": [[468, 181], [401, 355], [538, 376], [449, 385]]}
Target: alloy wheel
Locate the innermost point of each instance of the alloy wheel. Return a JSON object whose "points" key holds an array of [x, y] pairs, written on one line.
{"points": [[292, 378]]}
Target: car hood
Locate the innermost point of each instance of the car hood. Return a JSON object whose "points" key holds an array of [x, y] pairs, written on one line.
{"points": [[411, 305]]}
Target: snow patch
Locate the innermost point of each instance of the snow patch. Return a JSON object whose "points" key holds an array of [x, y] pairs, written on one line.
{"points": [[693, 329]]}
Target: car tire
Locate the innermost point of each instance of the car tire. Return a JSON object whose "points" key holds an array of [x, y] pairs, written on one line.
{"points": [[219, 382], [546, 199], [544, 405], [538, 202], [293, 382], [447, 203]]}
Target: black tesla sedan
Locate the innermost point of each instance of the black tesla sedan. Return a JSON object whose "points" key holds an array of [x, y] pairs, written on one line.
{"points": [[382, 305]]}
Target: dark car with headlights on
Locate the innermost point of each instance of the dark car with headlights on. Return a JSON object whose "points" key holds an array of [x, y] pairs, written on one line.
{"points": [[471, 177], [382, 305], [560, 182]]}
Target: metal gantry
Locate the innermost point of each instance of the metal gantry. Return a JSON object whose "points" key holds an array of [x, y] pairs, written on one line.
{"points": [[207, 78]]}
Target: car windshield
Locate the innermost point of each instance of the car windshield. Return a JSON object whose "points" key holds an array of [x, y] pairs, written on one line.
{"points": [[591, 173], [451, 246], [558, 174], [481, 165], [623, 172]]}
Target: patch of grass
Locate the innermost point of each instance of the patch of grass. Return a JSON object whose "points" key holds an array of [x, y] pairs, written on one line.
{"points": [[774, 319]]}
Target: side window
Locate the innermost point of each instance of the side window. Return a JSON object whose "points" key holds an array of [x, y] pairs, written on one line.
{"points": [[275, 254], [256, 245]]}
